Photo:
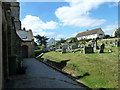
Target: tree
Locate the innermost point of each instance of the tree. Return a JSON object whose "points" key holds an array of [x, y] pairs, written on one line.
{"points": [[42, 40], [39, 39], [73, 40], [117, 33], [106, 36], [61, 40]]}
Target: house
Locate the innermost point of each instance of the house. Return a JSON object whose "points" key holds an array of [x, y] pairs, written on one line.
{"points": [[51, 42], [90, 34], [69, 40]]}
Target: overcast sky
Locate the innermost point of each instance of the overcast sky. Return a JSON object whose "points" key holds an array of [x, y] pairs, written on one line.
{"points": [[65, 19]]}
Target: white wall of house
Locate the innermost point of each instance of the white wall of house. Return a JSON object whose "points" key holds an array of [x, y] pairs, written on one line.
{"points": [[51, 42], [91, 36], [88, 36], [1, 72], [99, 34]]}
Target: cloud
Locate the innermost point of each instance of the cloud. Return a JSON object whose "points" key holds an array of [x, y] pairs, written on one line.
{"points": [[38, 26], [113, 5], [78, 13], [58, 37], [110, 29]]}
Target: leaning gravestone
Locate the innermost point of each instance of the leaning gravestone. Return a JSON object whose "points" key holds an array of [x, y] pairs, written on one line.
{"points": [[102, 48], [88, 50]]}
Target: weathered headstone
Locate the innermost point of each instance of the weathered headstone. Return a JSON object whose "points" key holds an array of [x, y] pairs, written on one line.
{"points": [[96, 46], [64, 48], [92, 43], [118, 43], [74, 46], [111, 42], [88, 50], [106, 42], [102, 48]]}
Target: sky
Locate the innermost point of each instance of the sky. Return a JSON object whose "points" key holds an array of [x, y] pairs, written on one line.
{"points": [[66, 19]]}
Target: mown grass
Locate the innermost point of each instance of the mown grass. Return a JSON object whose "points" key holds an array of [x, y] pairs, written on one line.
{"points": [[102, 67]]}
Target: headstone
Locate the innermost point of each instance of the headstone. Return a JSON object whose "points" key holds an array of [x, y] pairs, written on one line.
{"points": [[92, 43], [111, 42], [88, 50], [118, 43], [64, 48], [102, 48], [74, 46], [96, 46], [106, 42]]}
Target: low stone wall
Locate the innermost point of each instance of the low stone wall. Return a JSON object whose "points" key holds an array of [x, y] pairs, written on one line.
{"points": [[110, 39]]}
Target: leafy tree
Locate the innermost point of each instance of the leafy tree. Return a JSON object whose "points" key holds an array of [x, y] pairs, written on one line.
{"points": [[117, 33], [73, 40], [42, 40], [62, 40], [39, 39], [106, 36]]}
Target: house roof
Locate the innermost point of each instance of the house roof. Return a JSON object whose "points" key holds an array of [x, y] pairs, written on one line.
{"points": [[93, 31], [70, 38], [25, 35]]}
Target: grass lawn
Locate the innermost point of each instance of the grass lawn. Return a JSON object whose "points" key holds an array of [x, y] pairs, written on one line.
{"points": [[103, 67]]}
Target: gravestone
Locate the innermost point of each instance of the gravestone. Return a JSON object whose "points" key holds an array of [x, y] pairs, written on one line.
{"points": [[96, 46], [92, 43], [88, 50], [111, 42], [74, 46], [106, 42], [118, 43], [64, 48], [102, 48]]}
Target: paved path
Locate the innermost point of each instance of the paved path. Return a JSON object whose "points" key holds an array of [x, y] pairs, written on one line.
{"points": [[39, 75]]}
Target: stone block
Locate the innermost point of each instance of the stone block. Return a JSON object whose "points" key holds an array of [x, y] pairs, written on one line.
{"points": [[88, 50]]}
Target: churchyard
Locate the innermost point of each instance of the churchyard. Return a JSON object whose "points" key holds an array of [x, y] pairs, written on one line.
{"points": [[92, 68]]}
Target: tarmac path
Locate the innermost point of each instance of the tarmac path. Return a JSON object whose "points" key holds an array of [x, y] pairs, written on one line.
{"points": [[39, 75]]}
